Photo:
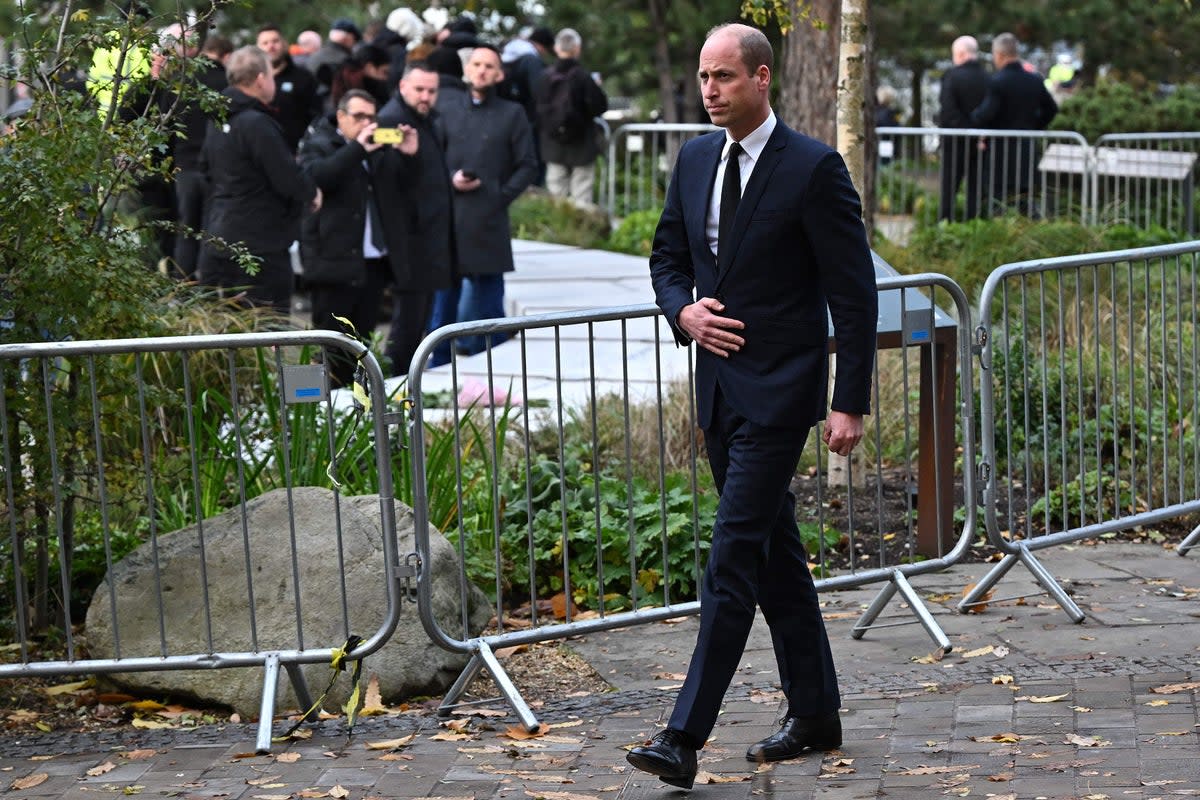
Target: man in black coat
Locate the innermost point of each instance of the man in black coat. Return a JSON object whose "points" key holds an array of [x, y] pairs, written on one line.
{"points": [[568, 135], [295, 103], [963, 88], [258, 192], [191, 187], [489, 153], [1016, 100], [424, 208], [338, 47], [349, 248]]}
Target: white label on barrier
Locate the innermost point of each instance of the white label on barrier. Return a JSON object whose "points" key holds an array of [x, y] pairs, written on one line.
{"points": [[635, 143], [304, 383], [887, 148]]}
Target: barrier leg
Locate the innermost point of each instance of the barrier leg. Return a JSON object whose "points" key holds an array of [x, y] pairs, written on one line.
{"points": [[1191, 541], [484, 658], [300, 687], [976, 595], [900, 583], [1051, 586], [1040, 574], [266, 712]]}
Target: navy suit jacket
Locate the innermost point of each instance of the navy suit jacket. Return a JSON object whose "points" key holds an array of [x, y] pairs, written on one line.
{"points": [[798, 246]]}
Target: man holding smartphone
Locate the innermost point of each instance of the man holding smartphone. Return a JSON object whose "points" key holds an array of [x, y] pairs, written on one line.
{"points": [[491, 160], [347, 247]]}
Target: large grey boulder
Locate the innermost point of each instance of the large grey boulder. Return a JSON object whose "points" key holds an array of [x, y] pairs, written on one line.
{"points": [[409, 664]]}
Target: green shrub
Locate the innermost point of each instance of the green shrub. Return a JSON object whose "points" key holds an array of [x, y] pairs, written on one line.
{"points": [[542, 218], [1112, 107], [635, 234]]}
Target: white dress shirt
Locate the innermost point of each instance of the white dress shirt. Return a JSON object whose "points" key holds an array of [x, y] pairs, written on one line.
{"points": [[752, 147]]}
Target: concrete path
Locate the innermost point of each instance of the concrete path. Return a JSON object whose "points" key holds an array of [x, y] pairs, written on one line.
{"points": [[1027, 706]]}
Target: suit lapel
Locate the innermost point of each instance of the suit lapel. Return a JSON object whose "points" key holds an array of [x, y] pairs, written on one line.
{"points": [[767, 161], [701, 188]]}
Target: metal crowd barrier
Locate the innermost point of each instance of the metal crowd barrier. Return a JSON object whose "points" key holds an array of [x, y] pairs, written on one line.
{"points": [[1089, 393], [1146, 180], [640, 159], [957, 174], [106, 440], [577, 472]]}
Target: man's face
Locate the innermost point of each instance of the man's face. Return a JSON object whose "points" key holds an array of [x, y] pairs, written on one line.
{"points": [[273, 44], [420, 89], [359, 114], [483, 69], [733, 96]]}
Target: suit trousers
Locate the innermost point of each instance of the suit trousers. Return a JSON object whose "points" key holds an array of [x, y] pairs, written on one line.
{"points": [[756, 559], [961, 158], [191, 194]]}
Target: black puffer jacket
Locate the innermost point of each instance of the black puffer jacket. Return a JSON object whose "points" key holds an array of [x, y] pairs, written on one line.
{"points": [[258, 190]]}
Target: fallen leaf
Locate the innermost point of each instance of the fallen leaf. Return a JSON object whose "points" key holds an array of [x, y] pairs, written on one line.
{"points": [[708, 777], [457, 725], [1000, 777], [264, 780], [132, 790], [980, 605], [394, 757], [982, 651], [30, 781], [519, 733], [114, 698], [669, 676], [932, 658], [1086, 741], [66, 688], [271, 796], [1047, 698], [372, 700], [287, 758], [1159, 703], [146, 705], [1002, 680], [526, 776], [1173, 733], [923, 770], [479, 712], [339, 793], [561, 795], [391, 744], [1006, 738], [1081, 709], [1096, 796], [22, 715], [1174, 688], [45, 758], [561, 606], [150, 724], [575, 723], [1000, 652], [100, 769], [309, 794], [449, 737]]}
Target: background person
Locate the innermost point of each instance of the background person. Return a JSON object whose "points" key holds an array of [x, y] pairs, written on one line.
{"points": [[963, 88], [568, 102]]}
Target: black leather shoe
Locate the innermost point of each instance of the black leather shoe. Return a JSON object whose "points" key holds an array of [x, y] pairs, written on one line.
{"points": [[669, 755], [797, 735]]}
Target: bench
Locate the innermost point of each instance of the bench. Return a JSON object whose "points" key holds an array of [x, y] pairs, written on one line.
{"points": [[1124, 162]]}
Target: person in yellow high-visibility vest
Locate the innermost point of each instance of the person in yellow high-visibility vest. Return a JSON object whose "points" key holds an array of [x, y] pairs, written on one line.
{"points": [[120, 62]]}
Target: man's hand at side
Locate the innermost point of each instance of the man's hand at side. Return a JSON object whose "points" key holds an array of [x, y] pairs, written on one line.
{"points": [[702, 321], [843, 432]]}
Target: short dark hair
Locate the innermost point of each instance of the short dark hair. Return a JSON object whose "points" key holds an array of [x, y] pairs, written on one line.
{"points": [[270, 26], [753, 44], [353, 94], [418, 66], [217, 44]]}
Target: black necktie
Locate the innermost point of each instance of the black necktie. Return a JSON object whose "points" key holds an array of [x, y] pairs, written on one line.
{"points": [[731, 193], [378, 241]]}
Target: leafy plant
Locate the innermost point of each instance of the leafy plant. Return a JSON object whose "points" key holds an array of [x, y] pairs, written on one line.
{"points": [[635, 234]]}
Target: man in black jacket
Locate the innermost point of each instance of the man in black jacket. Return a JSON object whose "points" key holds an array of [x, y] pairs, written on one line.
{"points": [[489, 154], [349, 248], [424, 209], [295, 104], [567, 130], [258, 191], [1016, 100], [191, 187], [963, 88]]}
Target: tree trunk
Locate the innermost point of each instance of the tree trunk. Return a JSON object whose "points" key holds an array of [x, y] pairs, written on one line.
{"points": [[853, 83], [662, 61], [808, 71]]}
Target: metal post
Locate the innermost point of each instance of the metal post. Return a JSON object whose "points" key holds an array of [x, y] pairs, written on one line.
{"points": [[266, 712], [900, 583], [1191, 541]]}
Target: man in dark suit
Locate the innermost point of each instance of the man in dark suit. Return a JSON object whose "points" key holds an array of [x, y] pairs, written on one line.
{"points": [[761, 234], [963, 88], [1016, 100]]}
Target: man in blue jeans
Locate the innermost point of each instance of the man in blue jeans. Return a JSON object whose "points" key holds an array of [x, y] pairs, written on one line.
{"points": [[491, 160]]}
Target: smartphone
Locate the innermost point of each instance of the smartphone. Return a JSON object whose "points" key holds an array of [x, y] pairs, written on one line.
{"points": [[388, 136]]}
